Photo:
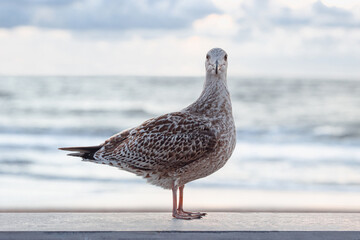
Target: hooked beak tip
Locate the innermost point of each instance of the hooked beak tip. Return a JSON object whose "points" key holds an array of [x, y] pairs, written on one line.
{"points": [[216, 67]]}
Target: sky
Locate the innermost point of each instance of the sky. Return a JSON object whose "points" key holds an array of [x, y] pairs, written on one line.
{"points": [[263, 38]]}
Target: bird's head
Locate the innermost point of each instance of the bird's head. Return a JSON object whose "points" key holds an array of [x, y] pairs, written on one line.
{"points": [[216, 62]]}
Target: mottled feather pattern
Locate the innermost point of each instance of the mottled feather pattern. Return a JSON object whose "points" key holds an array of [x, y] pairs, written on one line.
{"points": [[176, 148], [169, 147], [165, 143]]}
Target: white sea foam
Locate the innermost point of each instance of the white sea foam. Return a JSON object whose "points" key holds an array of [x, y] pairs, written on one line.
{"points": [[297, 151]]}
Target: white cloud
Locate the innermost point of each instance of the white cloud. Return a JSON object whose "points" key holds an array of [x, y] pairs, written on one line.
{"points": [[349, 5], [216, 25], [232, 7], [29, 50], [265, 40]]}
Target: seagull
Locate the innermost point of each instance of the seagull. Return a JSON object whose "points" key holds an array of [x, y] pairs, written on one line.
{"points": [[179, 147]]}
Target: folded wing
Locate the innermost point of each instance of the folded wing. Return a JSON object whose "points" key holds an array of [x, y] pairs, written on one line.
{"points": [[167, 143]]}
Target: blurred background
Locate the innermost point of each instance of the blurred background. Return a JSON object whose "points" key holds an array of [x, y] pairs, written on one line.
{"points": [[76, 72]]}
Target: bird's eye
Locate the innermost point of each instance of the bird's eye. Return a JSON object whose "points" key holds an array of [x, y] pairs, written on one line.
{"points": [[225, 57], [207, 57]]}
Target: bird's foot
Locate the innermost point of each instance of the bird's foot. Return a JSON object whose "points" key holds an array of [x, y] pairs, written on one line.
{"points": [[181, 214], [192, 213]]}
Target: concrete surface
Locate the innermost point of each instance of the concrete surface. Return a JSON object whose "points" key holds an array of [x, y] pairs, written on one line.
{"points": [[163, 226], [180, 235]]}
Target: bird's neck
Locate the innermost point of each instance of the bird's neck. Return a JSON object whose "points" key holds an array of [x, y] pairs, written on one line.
{"points": [[214, 80], [215, 97]]}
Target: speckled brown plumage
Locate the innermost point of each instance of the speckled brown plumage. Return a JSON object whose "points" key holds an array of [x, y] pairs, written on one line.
{"points": [[176, 148]]}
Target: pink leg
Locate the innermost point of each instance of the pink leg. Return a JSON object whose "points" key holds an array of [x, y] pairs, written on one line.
{"points": [[181, 203], [178, 214]]}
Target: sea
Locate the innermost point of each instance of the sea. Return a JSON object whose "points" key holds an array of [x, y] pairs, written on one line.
{"points": [[293, 135]]}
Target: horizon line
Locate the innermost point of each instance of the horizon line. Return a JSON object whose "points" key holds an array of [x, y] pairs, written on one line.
{"points": [[304, 77]]}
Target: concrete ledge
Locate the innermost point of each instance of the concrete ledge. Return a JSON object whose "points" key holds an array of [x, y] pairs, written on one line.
{"points": [[179, 235], [163, 226], [214, 221]]}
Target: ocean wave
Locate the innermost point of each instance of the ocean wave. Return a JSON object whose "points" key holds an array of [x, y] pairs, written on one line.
{"points": [[15, 161], [57, 177], [297, 151]]}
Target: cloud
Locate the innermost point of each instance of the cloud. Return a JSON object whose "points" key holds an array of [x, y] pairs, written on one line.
{"points": [[307, 52], [333, 16], [103, 14], [266, 38], [216, 25], [267, 15]]}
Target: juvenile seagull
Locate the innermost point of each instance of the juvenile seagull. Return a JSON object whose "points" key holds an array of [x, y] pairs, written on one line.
{"points": [[176, 148]]}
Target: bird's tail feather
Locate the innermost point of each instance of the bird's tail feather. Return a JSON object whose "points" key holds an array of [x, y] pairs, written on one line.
{"points": [[84, 152]]}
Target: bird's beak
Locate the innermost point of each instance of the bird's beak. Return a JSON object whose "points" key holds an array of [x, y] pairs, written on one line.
{"points": [[216, 67]]}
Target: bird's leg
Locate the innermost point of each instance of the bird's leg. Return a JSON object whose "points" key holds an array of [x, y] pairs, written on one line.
{"points": [[181, 202], [175, 212]]}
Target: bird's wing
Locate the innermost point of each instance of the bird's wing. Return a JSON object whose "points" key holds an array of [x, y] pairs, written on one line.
{"points": [[167, 142]]}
